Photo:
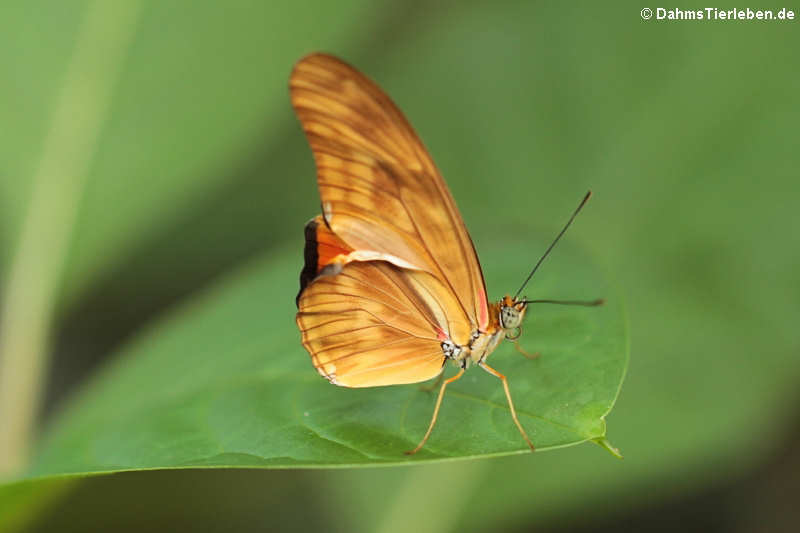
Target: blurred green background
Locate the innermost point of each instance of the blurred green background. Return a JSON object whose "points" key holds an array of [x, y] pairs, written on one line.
{"points": [[686, 131]]}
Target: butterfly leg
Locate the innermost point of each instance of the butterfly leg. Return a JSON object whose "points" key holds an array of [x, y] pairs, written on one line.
{"points": [[523, 352], [502, 378], [436, 411], [434, 385]]}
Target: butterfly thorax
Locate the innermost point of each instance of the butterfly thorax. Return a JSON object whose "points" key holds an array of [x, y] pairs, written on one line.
{"points": [[505, 318]]}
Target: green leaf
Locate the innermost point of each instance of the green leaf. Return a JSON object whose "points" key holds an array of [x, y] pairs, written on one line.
{"points": [[225, 382]]}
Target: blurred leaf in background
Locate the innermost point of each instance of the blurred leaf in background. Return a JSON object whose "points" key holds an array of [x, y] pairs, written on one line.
{"points": [[137, 91], [685, 130]]}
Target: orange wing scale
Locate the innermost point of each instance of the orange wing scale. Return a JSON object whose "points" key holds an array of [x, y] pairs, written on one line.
{"points": [[329, 246]]}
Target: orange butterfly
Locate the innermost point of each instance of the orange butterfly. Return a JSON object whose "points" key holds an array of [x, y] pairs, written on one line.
{"points": [[391, 288]]}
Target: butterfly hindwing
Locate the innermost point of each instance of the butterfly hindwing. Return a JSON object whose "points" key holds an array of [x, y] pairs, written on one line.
{"points": [[373, 323]]}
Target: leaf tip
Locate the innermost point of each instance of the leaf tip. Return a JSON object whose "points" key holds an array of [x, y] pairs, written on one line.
{"points": [[603, 443]]}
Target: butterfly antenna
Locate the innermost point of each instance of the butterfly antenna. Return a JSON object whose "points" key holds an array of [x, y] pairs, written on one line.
{"points": [[583, 202], [589, 303]]}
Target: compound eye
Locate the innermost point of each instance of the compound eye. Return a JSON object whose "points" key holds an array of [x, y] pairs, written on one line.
{"points": [[509, 317]]}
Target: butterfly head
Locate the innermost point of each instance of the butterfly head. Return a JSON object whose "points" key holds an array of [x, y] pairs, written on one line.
{"points": [[512, 311]]}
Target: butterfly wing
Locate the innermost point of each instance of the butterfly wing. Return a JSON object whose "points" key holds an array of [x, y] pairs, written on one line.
{"points": [[372, 323], [381, 192], [323, 248]]}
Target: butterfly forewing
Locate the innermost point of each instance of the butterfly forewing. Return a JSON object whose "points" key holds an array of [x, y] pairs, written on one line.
{"points": [[381, 192]]}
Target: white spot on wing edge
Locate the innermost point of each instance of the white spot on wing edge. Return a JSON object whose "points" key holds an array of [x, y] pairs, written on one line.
{"points": [[370, 255], [328, 371]]}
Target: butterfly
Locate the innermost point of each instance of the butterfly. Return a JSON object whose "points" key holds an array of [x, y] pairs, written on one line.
{"points": [[391, 289]]}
